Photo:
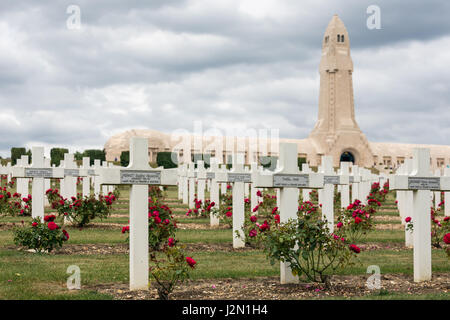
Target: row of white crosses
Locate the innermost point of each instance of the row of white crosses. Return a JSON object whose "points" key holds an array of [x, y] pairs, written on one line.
{"points": [[237, 176], [40, 172], [140, 176], [421, 182]]}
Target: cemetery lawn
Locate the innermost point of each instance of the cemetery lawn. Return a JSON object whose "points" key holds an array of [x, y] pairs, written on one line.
{"points": [[101, 252]]}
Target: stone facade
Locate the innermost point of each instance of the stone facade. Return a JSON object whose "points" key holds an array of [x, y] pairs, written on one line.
{"points": [[336, 132]]}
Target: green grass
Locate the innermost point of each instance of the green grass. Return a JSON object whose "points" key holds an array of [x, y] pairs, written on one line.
{"points": [[26, 275]]}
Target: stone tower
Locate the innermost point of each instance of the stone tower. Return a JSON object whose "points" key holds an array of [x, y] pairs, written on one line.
{"points": [[336, 132]]}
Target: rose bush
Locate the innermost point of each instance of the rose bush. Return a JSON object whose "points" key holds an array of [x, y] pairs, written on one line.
{"points": [[161, 225], [201, 209], [41, 236], [81, 210], [354, 222], [309, 248], [170, 268]]}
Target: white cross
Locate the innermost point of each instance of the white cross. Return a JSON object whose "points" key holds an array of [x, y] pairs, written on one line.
{"points": [[38, 172], [201, 181], [71, 172], [354, 180], [408, 205], [364, 188], [305, 192], [214, 191], [330, 179], [86, 179], [289, 179], [253, 190], [97, 168], [105, 187], [345, 192], [139, 175], [437, 194], [420, 181], [400, 194], [184, 184], [191, 179], [447, 194], [23, 183], [238, 177]]}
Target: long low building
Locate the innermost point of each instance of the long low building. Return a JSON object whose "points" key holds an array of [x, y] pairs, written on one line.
{"points": [[336, 132]]}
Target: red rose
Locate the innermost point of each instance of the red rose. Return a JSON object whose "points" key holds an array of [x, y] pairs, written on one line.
{"points": [[264, 226], [253, 233], [52, 226], [157, 219], [229, 214], [354, 248], [339, 225], [447, 238], [277, 218], [191, 262], [358, 220], [125, 229], [446, 218], [34, 224], [253, 218], [171, 242], [407, 219], [258, 193], [66, 235]]}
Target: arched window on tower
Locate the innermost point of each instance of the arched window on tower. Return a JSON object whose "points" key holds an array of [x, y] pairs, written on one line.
{"points": [[342, 38], [338, 38]]}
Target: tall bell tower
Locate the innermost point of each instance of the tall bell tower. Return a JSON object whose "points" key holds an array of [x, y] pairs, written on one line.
{"points": [[336, 132]]}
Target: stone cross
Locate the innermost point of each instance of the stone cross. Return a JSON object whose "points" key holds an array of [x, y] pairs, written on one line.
{"points": [[247, 185], [180, 182], [289, 179], [223, 185], [400, 194], [238, 177], [214, 190], [86, 179], [355, 179], [47, 182], [408, 205], [437, 194], [184, 183], [447, 194], [71, 172], [191, 178], [253, 190], [330, 179], [23, 183], [365, 185], [37, 172], [421, 182], [139, 175], [105, 187], [97, 168], [305, 192], [201, 181], [345, 192]]}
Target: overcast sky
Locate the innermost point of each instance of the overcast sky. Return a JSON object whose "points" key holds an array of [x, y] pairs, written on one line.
{"points": [[162, 64]]}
